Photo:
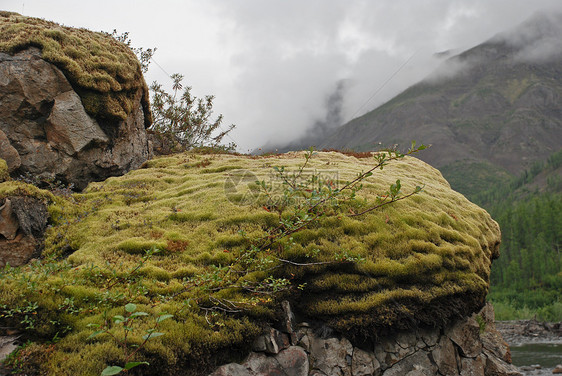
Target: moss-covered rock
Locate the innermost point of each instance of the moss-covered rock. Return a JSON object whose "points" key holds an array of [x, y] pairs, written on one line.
{"points": [[104, 72], [425, 259]]}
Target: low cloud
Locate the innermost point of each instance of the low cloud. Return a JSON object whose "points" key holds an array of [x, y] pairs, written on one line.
{"points": [[539, 39], [272, 64], [296, 53]]}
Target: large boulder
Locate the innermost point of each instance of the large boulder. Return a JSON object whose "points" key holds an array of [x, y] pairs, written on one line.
{"points": [[74, 103], [182, 234]]}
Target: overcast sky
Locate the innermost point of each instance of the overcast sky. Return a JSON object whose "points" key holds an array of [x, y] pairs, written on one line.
{"points": [[273, 65]]}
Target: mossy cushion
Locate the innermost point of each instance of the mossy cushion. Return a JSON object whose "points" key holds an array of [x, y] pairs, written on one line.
{"points": [[424, 259], [104, 72]]}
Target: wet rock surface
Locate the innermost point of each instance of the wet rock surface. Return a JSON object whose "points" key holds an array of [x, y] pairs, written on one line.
{"points": [[8, 343]]}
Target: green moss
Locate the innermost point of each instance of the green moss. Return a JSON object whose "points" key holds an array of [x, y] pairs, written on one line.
{"points": [[4, 174], [426, 259], [17, 188], [139, 245], [104, 72]]}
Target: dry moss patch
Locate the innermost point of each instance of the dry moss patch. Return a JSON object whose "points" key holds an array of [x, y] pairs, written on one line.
{"points": [[104, 72], [425, 259]]}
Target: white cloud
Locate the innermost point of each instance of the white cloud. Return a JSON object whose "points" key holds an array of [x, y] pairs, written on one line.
{"points": [[272, 64]]}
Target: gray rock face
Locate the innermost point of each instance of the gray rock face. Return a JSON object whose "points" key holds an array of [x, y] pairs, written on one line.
{"points": [[391, 350], [466, 335], [7, 345], [271, 342], [421, 352], [364, 363], [259, 364], [472, 367], [445, 357], [231, 369], [8, 222], [417, 364], [294, 361], [45, 131], [331, 356]]}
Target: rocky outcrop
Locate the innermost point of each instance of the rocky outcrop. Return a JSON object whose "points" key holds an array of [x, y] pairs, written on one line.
{"points": [[529, 331], [467, 347], [22, 223], [424, 263], [45, 131]]}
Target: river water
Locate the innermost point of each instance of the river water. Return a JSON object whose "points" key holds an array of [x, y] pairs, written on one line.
{"points": [[547, 355]]}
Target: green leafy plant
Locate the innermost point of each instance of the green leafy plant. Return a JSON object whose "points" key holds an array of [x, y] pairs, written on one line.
{"points": [[126, 323], [26, 314], [481, 323], [144, 55]]}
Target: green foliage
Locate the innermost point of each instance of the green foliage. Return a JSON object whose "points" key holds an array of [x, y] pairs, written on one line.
{"points": [[183, 121], [527, 279], [481, 323], [504, 310], [469, 178], [104, 71], [127, 324]]}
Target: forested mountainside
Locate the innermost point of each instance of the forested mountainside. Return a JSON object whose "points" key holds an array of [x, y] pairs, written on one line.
{"points": [[527, 279]]}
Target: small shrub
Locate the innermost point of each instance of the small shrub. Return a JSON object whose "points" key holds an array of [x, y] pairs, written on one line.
{"points": [[183, 122]]}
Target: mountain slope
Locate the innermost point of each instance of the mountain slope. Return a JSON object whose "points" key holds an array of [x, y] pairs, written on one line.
{"points": [[494, 109]]}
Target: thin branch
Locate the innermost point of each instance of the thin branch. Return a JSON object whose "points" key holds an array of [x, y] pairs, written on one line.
{"points": [[305, 264], [384, 203]]}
